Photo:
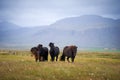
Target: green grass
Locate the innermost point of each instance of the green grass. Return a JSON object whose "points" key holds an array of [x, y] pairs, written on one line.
{"points": [[87, 66]]}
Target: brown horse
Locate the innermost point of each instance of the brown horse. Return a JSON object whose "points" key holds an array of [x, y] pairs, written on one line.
{"points": [[34, 51], [69, 52]]}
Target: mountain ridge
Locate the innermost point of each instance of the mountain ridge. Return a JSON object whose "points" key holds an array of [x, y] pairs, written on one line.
{"points": [[84, 31]]}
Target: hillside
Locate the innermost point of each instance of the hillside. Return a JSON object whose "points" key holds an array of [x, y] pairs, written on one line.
{"points": [[83, 31]]}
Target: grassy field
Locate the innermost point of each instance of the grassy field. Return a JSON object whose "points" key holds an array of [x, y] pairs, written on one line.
{"points": [[19, 65]]}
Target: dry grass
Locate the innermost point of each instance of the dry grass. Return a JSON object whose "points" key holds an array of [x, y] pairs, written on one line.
{"points": [[87, 66]]}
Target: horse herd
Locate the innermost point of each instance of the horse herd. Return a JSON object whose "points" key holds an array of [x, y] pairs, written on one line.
{"points": [[41, 53]]}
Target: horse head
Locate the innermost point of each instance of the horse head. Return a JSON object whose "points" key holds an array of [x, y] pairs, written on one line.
{"points": [[34, 51], [51, 44]]}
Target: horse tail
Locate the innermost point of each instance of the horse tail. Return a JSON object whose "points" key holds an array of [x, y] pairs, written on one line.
{"points": [[62, 58]]}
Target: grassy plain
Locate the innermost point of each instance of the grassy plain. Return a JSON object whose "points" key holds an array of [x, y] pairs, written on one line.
{"points": [[19, 65]]}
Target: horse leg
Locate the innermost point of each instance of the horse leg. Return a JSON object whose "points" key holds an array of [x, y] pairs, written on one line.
{"points": [[56, 57], [45, 57], [73, 58], [68, 59], [36, 58], [52, 58], [39, 58], [62, 58]]}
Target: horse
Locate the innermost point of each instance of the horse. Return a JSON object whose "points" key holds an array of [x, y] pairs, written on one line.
{"points": [[54, 51], [43, 53], [34, 51], [40, 54], [69, 52]]}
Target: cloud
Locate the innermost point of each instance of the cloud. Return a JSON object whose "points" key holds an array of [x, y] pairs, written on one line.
{"points": [[45, 12]]}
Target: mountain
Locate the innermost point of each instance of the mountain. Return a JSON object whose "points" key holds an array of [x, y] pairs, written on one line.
{"points": [[85, 22], [88, 31], [5, 26], [83, 31], [7, 30]]}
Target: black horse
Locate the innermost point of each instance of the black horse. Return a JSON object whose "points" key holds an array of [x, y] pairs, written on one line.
{"points": [[54, 51], [43, 53], [70, 52], [40, 53]]}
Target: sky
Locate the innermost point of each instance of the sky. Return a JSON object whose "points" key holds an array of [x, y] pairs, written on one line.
{"points": [[27, 13]]}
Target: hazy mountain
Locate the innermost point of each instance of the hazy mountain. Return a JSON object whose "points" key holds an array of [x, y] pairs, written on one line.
{"points": [[85, 22], [5, 26], [83, 31]]}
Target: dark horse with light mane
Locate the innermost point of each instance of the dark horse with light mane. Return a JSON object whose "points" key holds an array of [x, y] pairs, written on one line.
{"points": [[54, 51], [40, 53], [70, 52]]}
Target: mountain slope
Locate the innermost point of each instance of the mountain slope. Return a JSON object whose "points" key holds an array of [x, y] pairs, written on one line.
{"points": [[85, 22], [83, 31]]}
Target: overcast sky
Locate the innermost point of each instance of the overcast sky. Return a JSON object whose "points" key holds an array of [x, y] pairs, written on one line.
{"points": [[45, 12]]}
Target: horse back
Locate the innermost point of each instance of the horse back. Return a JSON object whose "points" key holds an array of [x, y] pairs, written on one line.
{"points": [[69, 51], [56, 50], [45, 49]]}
